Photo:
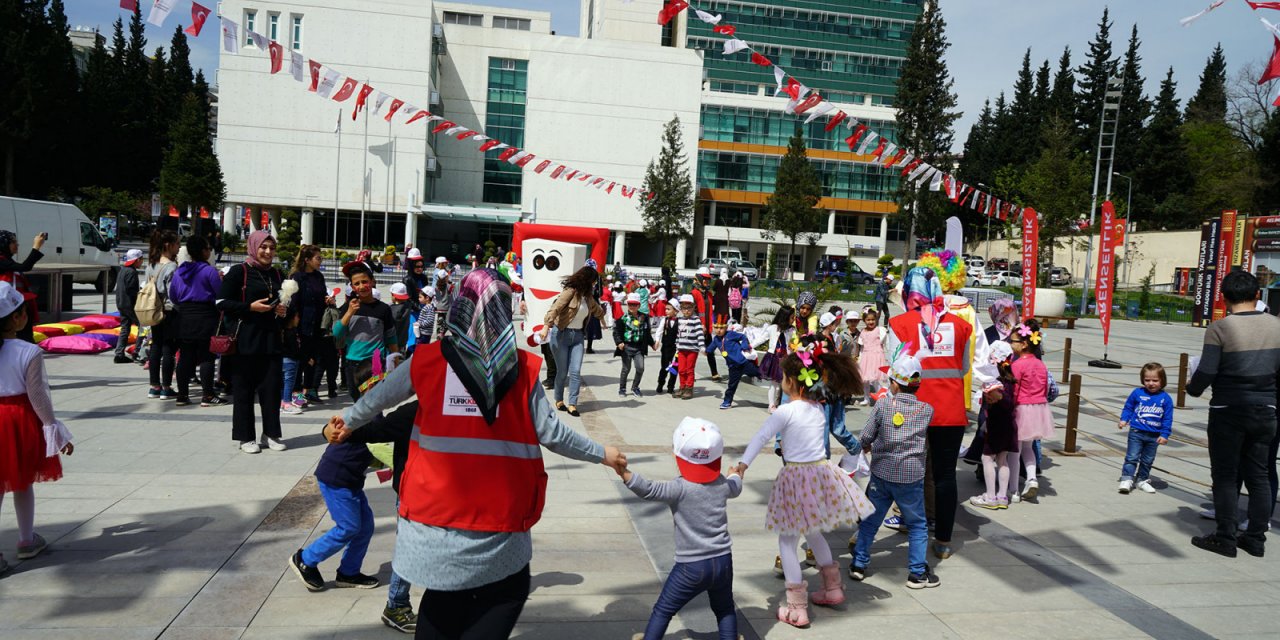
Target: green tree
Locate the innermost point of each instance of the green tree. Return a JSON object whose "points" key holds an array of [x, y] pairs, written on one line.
{"points": [[1210, 102], [1057, 185], [668, 215], [191, 176], [791, 209], [1024, 117], [1062, 97], [1100, 64], [1163, 178], [1135, 108], [1224, 172]]}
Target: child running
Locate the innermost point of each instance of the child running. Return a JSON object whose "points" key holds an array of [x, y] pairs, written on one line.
{"points": [[704, 558], [1000, 444], [1031, 410], [632, 336], [1149, 415], [691, 339], [738, 353], [810, 495], [32, 436], [871, 357]]}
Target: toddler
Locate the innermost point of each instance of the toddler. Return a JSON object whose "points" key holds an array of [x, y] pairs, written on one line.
{"points": [[871, 355], [340, 474], [1149, 415], [667, 329], [1000, 444]]}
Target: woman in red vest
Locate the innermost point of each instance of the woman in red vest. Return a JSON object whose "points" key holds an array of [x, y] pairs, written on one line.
{"points": [[474, 484]]}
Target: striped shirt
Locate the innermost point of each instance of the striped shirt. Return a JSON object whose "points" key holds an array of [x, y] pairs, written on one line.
{"points": [[897, 450], [690, 335]]}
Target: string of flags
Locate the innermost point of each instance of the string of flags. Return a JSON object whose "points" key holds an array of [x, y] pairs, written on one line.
{"points": [[328, 82], [1272, 70]]}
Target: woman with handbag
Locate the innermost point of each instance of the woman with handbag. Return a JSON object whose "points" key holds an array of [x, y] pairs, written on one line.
{"points": [[194, 291], [250, 300], [160, 360]]}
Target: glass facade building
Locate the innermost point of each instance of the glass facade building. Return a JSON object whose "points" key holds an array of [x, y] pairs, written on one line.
{"points": [[504, 120]]}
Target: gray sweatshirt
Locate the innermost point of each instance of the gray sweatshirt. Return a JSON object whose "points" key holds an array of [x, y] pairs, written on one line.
{"points": [[1240, 361], [702, 526]]}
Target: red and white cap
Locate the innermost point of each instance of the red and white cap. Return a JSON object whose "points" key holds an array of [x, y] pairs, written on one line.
{"points": [[633, 298], [704, 272], [132, 255], [399, 291], [687, 297], [698, 447]]}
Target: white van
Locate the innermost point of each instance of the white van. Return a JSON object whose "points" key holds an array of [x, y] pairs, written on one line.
{"points": [[73, 239]]}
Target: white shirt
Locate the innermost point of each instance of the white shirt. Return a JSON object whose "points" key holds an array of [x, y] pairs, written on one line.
{"points": [[803, 426], [22, 373]]}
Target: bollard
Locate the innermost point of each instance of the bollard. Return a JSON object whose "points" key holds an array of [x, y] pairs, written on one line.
{"points": [[1073, 418], [1066, 359], [1183, 363]]}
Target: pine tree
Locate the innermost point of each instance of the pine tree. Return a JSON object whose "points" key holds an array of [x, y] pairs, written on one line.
{"points": [[791, 209], [1269, 165], [926, 116], [1043, 90], [139, 150], [1210, 102], [1163, 178], [1057, 185], [1024, 119], [1135, 108], [1100, 65], [1063, 96], [978, 162], [191, 175], [668, 215]]}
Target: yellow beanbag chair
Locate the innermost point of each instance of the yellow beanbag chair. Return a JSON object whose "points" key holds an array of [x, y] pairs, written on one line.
{"points": [[67, 328], [38, 337]]}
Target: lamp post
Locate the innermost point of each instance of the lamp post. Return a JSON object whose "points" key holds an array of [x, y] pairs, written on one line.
{"points": [[1128, 214]]}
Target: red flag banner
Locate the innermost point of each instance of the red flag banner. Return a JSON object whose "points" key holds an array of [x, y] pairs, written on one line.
{"points": [[834, 121], [395, 108], [1255, 5], [315, 75], [761, 60], [198, 15], [266, 219], [248, 216], [444, 124], [808, 103], [173, 212], [1106, 269], [559, 170], [857, 134], [467, 134], [422, 113], [879, 148], [360, 100], [488, 144], [542, 166], [671, 10], [725, 30], [1030, 261], [1273, 67], [1118, 232], [276, 50], [130, 5], [525, 160], [507, 153], [344, 92]]}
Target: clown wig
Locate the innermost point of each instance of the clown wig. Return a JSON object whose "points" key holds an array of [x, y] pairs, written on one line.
{"points": [[949, 267]]}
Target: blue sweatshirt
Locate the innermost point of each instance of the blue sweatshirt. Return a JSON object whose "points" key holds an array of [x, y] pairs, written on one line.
{"points": [[735, 345], [1149, 412]]}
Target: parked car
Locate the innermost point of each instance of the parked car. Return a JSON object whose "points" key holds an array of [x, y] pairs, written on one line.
{"points": [[1001, 279], [714, 264], [998, 264], [841, 268], [749, 270], [1059, 277]]}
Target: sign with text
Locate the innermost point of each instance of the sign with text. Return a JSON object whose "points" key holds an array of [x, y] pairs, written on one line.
{"points": [[1030, 260], [1226, 247], [1106, 268]]}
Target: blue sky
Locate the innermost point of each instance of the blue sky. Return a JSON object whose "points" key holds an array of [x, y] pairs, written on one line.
{"points": [[988, 37]]}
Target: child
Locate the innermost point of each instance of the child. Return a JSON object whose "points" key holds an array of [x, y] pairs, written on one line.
{"points": [[780, 332], [126, 297], [810, 495], [1149, 415], [643, 293], [401, 314], [1000, 444], [340, 474], [31, 437], [366, 326], [659, 302], [667, 330], [293, 360], [737, 351], [806, 320], [871, 358], [691, 339], [427, 314], [1031, 408], [327, 345], [829, 329], [616, 300], [735, 298], [895, 437], [697, 498], [633, 338]]}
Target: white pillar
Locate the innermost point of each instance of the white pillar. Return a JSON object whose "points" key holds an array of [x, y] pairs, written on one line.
{"points": [[831, 222], [884, 234], [682, 246], [411, 228], [307, 220], [229, 218], [620, 247]]}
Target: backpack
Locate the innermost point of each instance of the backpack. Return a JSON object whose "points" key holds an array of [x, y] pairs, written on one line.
{"points": [[149, 308], [735, 298]]}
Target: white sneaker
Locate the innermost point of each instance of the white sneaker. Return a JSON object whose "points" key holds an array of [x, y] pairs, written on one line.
{"points": [[274, 444], [1209, 514], [1145, 487], [250, 447], [1126, 485], [1029, 490], [290, 408], [1015, 498]]}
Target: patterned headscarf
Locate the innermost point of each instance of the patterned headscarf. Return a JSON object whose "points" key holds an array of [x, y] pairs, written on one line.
{"points": [[1004, 316], [807, 297], [254, 242], [481, 344]]}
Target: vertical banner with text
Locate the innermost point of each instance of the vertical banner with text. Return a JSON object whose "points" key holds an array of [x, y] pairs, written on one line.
{"points": [[1106, 268], [1226, 247], [1030, 261]]}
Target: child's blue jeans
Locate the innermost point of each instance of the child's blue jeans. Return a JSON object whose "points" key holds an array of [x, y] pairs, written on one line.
{"points": [[352, 528], [398, 590], [910, 499], [290, 379], [687, 580], [1140, 456]]}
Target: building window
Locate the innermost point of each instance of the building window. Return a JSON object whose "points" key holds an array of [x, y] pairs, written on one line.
{"points": [[469, 19], [504, 120], [897, 229], [847, 224], [297, 32], [250, 24], [503, 22], [273, 26]]}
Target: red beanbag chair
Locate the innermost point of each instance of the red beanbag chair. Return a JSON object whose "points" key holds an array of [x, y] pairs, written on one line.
{"points": [[107, 322], [49, 330], [74, 344]]}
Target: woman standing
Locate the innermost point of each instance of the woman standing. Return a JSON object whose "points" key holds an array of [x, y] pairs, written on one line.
{"points": [[194, 291], [466, 542], [309, 303], [563, 330], [160, 269], [11, 271], [250, 298]]}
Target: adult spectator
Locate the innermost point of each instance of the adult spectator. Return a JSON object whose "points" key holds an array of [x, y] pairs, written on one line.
{"points": [[1240, 361], [194, 291], [12, 271], [564, 331], [480, 415], [366, 256], [703, 301], [883, 287], [250, 298], [415, 279], [160, 268], [309, 303]]}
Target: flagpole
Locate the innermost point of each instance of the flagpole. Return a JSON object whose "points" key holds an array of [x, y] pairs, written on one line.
{"points": [[386, 201], [336, 190], [364, 178]]}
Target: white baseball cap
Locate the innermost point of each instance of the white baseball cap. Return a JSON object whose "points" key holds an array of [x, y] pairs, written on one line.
{"points": [[399, 291], [429, 291], [132, 255], [644, 283], [10, 299], [688, 297], [905, 371], [826, 319], [703, 271], [735, 327], [441, 259], [377, 295], [1000, 351], [415, 253], [633, 298], [698, 447]]}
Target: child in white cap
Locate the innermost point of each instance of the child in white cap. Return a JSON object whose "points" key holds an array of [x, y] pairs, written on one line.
{"points": [[691, 339], [697, 498], [633, 337], [895, 437], [427, 315], [127, 288]]}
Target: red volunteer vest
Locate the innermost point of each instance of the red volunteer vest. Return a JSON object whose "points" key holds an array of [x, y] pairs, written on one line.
{"points": [[942, 368], [19, 282], [463, 473]]}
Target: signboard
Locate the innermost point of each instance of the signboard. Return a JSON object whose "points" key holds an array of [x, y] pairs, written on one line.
{"points": [[1030, 260], [1226, 246], [1203, 308], [1266, 244], [1106, 266]]}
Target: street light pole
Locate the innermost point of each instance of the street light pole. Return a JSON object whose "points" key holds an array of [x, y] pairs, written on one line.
{"points": [[1128, 213]]}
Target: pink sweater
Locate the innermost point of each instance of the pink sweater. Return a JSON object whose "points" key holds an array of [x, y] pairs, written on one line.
{"points": [[1032, 380]]}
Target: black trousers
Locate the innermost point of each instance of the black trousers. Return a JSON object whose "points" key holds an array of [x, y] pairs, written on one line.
{"points": [[549, 358], [944, 450], [666, 378], [193, 353], [356, 372], [487, 612], [1239, 451], [883, 308], [161, 355], [254, 376], [326, 356]]}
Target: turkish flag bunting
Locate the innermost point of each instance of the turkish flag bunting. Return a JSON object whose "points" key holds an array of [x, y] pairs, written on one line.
{"points": [[525, 160], [879, 148], [853, 139], [360, 100], [507, 153], [276, 50], [542, 166], [902, 153], [584, 177], [467, 134], [559, 170], [1255, 5], [131, 5], [396, 103], [910, 166], [671, 10], [760, 60], [315, 75], [266, 219], [792, 88], [570, 174], [444, 124], [422, 113], [348, 88], [725, 29], [1273, 68], [204, 213], [1118, 229], [835, 120], [489, 144], [627, 192], [808, 103], [198, 15]]}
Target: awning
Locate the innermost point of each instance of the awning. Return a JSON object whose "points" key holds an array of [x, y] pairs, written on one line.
{"points": [[468, 213]]}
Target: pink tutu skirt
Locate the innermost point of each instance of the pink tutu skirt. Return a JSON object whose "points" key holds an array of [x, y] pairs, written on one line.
{"points": [[811, 497], [1035, 422]]}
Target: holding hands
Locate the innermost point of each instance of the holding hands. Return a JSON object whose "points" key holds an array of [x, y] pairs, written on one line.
{"points": [[336, 431]]}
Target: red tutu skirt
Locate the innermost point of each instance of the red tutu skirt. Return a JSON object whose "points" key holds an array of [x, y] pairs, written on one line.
{"points": [[22, 447]]}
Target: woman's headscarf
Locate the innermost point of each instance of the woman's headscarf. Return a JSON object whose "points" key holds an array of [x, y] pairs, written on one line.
{"points": [[809, 298], [1004, 316], [481, 344], [7, 238], [254, 243]]}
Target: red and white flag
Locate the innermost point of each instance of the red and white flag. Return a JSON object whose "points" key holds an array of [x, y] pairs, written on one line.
{"points": [[489, 144], [198, 15], [524, 160], [467, 134], [671, 10], [1213, 5], [858, 131], [444, 124], [1272, 71], [609, 189], [396, 103], [365, 90], [569, 176], [348, 87], [542, 166], [707, 17], [760, 60], [276, 50], [835, 120], [130, 5], [725, 30], [866, 142], [507, 153], [160, 10], [230, 36], [421, 113], [558, 170], [316, 68], [378, 102], [627, 192], [1262, 5], [259, 40]]}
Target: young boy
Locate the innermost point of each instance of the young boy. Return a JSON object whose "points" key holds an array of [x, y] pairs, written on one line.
{"points": [[669, 328], [895, 438], [1149, 415], [691, 339], [633, 338], [697, 498], [126, 296], [401, 313], [426, 314], [366, 326], [736, 350], [340, 474], [294, 360]]}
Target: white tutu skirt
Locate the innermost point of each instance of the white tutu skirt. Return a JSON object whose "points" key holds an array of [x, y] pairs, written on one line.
{"points": [[1035, 422], [810, 497]]}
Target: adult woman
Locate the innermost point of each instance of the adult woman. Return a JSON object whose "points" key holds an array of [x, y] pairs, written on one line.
{"points": [[564, 324], [416, 278], [160, 269], [11, 271], [250, 298], [194, 291], [309, 303], [480, 416]]}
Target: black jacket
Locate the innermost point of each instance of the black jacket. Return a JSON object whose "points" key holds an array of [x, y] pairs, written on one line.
{"points": [[9, 265], [127, 289], [396, 427], [259, 332]]}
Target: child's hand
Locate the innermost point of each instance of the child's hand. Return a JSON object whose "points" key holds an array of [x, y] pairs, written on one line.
{"points": [[68, 449], [1122, 424], [1162, 440], [740, 469], [614, 459]]}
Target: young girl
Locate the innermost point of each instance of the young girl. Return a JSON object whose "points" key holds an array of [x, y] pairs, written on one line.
{"points": [[1031, 407], [31, 437], [735, 298], [691, 339], [780, 332], [810, 495], [871, 360], [806, 320], [1148, 413], [1000, 446]]}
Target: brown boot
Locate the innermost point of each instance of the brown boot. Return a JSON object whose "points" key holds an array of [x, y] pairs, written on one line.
{"points": [[796, 611], [688, 393], [832, 592]]}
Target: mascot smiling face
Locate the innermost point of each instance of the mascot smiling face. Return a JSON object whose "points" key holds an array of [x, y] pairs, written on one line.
{"points": [[546, 264]]}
